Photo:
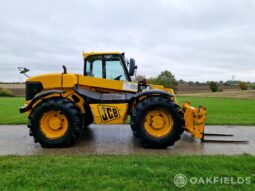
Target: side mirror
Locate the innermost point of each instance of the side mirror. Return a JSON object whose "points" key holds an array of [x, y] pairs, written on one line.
{"points": [[23, 71], [132, 67]]}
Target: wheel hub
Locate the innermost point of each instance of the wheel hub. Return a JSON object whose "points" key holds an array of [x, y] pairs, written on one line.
{"points": [[55, 123], [157, 122]]}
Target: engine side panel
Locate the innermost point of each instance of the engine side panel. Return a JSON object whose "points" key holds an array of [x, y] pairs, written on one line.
{"points": [[109, 113], [48, 81]]}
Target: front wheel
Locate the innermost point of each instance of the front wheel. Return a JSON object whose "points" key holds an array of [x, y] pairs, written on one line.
{"points": [[55, 123], [157, 121]]}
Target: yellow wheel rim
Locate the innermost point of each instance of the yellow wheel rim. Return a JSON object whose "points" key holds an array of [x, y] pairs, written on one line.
{"points": [[158, 123], [53, 124]]}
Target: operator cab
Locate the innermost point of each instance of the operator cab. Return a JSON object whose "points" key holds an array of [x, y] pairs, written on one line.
{"points": [[109, 66]]}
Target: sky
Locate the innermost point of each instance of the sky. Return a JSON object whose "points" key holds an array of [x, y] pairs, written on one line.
{"points": [[197, 40]]}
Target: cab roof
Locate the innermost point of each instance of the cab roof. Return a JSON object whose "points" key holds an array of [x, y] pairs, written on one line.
{"points": [[86, 54]]}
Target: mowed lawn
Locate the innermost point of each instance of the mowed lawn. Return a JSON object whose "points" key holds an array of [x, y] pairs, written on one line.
{"points": [[225, 111], [123, 172], [9, 111], [220, 111]]}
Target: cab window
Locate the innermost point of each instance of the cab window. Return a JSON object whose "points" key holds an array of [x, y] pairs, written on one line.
{"points": [[97, 69], [114, 69], [107, 66]]}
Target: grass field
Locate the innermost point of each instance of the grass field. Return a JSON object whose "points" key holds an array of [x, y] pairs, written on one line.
{"points": [[9, 111], [224, 111], [121, 172], [220, 111]]}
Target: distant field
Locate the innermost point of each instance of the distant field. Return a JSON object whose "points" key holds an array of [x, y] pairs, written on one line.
{"points": [[202, 88], [17, 89], [247, 94], [220, 111], [7, 86], [123, 172]]}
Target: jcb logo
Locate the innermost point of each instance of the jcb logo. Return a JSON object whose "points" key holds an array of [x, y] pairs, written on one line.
{"points": [[108, 113]]}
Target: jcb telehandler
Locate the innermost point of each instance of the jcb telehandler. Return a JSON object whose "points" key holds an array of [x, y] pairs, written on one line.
{"points": [[60, 105]]}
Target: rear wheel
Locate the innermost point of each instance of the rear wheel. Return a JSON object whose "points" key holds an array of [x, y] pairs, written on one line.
{"points": [[157, 121], [55, 123]]}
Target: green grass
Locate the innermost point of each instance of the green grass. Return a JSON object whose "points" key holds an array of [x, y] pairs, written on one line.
{"points": [[9, 111], [220, 111], [224, 111], [121, 172]]}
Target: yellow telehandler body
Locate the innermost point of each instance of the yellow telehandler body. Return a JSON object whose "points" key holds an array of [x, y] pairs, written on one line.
{"points": [[60, 105]]}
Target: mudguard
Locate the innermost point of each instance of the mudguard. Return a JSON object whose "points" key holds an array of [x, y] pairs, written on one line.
{"points": [[37, 97], [148, 93], [151, 92]]}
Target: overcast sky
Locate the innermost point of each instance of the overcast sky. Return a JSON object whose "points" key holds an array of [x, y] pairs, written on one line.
{"points": [[196, 40]]}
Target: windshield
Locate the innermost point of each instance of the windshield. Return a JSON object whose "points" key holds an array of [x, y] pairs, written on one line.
{"points": [[105, 66]]}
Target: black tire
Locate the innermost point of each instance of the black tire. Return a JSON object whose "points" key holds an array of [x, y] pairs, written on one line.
{"points": [[134, 129], [69, 109], [88, 120], [88, 117], [145, 106]]}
